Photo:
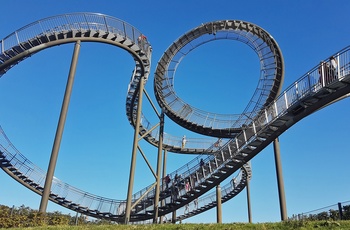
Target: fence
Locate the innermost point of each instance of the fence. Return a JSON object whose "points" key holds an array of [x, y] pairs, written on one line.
{"points": [[339, 211]]}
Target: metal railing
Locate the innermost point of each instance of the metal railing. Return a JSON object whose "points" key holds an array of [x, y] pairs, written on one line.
{"points": [[36, 178], [177, 141], [310, 83], [77, 22], [339, 211], [210, 198]]}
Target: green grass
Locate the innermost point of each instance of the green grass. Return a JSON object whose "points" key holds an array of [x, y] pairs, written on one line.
{"points": [[303, 225]]}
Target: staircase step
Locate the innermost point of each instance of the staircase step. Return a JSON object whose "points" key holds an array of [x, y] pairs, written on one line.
{"points": [[6, 164], [34, 42], [18, 49], [28, 181], [4, 57], [12, 169], [10, 53], [52, 37], [43, 38]]}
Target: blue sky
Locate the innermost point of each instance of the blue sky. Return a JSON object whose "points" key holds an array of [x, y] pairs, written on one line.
{"points": [[220, 77]]}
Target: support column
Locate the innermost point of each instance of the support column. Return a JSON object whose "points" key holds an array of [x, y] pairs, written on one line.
{"points": [[218, 205], [134, 152], [280, 182], [248, 202], [164, 175], [340, 209], [173, 217], [76, 218], [59, 130], [159, 166]]}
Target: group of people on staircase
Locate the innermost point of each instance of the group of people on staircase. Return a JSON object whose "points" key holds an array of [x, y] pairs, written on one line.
{"points": [[179, 186]]}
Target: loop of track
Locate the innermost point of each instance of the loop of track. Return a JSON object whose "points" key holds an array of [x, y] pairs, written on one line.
{"points": [[207, 123]]}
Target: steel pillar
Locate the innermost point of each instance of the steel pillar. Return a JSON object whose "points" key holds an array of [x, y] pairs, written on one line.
{"points": [[340, 208], [134, 152], [280, 182], [159, 166], [248, 202], [218, 205], [59, 130], [164, 175], [173, 217]]}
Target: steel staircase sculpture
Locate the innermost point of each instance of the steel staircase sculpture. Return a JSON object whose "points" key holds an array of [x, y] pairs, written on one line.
{"points": [[263, 120], [60, 30]]}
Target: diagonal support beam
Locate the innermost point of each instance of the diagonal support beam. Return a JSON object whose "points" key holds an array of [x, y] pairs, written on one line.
{"points": [[152, 104], [143, 195], [147, 162], [145, 134]]}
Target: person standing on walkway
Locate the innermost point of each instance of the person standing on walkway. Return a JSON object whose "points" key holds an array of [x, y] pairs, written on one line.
{"points": [[183, 143]]}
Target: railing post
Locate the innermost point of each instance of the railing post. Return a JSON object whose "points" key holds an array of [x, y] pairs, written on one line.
{"points": [[276, 110], [133, 37], [66, 17], [87, 22], [229, 150], [322, 72], [254, 127], [266, 116], [338, 67], [204, 124], [286, 99], [42, 30], [124, 29], [244, 135], [17, 37], [104, 19]]}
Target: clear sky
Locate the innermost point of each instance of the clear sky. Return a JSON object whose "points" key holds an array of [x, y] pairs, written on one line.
{"points": [[97, 142]]}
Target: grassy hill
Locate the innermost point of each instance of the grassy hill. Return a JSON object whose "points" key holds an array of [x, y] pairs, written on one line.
{"points": [[304, 225]]}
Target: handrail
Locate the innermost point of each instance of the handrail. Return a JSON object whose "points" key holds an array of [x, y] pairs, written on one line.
{"points": [[73, 21]]}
